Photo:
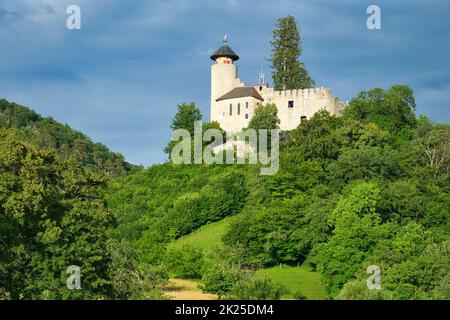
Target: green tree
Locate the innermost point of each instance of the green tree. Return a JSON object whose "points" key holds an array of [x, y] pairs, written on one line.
{"points": [[357, 290], [68, 143], [357, 231], [132, 279], [257, 289], [186, 262], [52, 216], [219, 279], [265, 117], [422, 277], [185, 118], [433, 141], [288, 72], [391, 109]]}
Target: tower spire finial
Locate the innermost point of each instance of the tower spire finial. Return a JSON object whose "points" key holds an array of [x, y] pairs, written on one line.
{"points": [[225, 39]]}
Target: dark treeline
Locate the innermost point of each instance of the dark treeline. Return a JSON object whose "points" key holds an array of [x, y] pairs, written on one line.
{"points": [[48, 133]]}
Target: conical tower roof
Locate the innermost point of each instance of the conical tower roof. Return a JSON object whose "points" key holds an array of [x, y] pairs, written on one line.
{"points": [[225, 51]]}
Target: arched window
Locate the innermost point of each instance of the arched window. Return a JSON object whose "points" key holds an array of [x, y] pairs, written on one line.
{"points": [[231, 109], [246, 105], [239, 108], [246, 116]]}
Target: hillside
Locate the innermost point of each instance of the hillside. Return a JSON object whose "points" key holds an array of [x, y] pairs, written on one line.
{"points": [[206, 238], [297, 280], [370, 187], [69, 143]]}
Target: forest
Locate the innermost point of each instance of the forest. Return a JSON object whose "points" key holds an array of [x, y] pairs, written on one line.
{"points": [[367, 188]]}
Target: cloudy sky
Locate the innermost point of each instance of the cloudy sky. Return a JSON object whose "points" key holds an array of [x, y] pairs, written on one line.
{"points": [[120, 78]]}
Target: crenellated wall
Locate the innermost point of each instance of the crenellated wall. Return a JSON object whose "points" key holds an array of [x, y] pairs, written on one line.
{"points": [[292, 105], [305, 102]]}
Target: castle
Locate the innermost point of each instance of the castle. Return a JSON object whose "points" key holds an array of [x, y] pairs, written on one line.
{"points": [[233, 103]]}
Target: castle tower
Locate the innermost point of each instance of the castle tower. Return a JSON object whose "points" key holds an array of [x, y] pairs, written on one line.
{"points": [[223, 74]]}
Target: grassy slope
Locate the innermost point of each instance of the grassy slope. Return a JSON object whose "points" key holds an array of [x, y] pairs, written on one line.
{"points": [[206, 237], [302, 279], [297, 280]]}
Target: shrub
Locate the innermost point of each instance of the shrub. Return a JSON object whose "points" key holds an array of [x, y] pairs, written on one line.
{"points": [[186, 262], [219, 280], [257, 289]]}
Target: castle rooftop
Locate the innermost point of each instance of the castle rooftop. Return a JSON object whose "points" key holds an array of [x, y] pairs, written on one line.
{"points": [[241, 92], [225, 51]]}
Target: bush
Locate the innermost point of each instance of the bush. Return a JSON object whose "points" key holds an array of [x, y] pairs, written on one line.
{"points": [[186, 262], [219, 280], [299, 296], [257, 289], [357, 290]]}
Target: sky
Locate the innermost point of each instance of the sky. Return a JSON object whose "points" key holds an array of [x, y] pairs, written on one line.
{"points": [[119, 79]]}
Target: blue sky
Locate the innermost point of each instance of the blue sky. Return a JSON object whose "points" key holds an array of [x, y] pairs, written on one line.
{"points": [[120, 78]]}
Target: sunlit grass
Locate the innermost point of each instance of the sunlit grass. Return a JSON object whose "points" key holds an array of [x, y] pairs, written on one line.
{"points": [[206, 237], [300, 280], [297, 280]]}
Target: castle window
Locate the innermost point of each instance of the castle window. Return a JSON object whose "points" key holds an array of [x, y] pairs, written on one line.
{"points": [[246, 105], [246, 116], [302, 118], [260, 88], [239, 108], [231, 109], [290, 103]]}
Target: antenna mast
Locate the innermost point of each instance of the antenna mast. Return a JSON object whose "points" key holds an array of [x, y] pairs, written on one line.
{"points": [[262, 77]]}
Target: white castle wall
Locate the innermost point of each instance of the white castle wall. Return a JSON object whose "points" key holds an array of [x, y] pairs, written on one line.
{"points": [[236, 121], [306, 102]]}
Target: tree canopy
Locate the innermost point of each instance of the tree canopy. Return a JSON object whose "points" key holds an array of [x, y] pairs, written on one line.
{"points": [[288, 72]]}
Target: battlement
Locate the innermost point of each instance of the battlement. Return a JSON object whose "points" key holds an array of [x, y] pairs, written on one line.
{"points": [[310, 93], [304, 92], [236, 111]]}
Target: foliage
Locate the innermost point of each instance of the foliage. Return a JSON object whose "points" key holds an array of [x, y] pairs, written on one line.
{"points": [[265, 117], [423, 275], [52, 216], [366, 188], [68, 143], [131, 279], [356, 231], [219, 280], [357, 290], [433, 141], [186, 262], [288, 72], [301, 282], [392, 109], [257, 289], [185, 118], [167, 201]]}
